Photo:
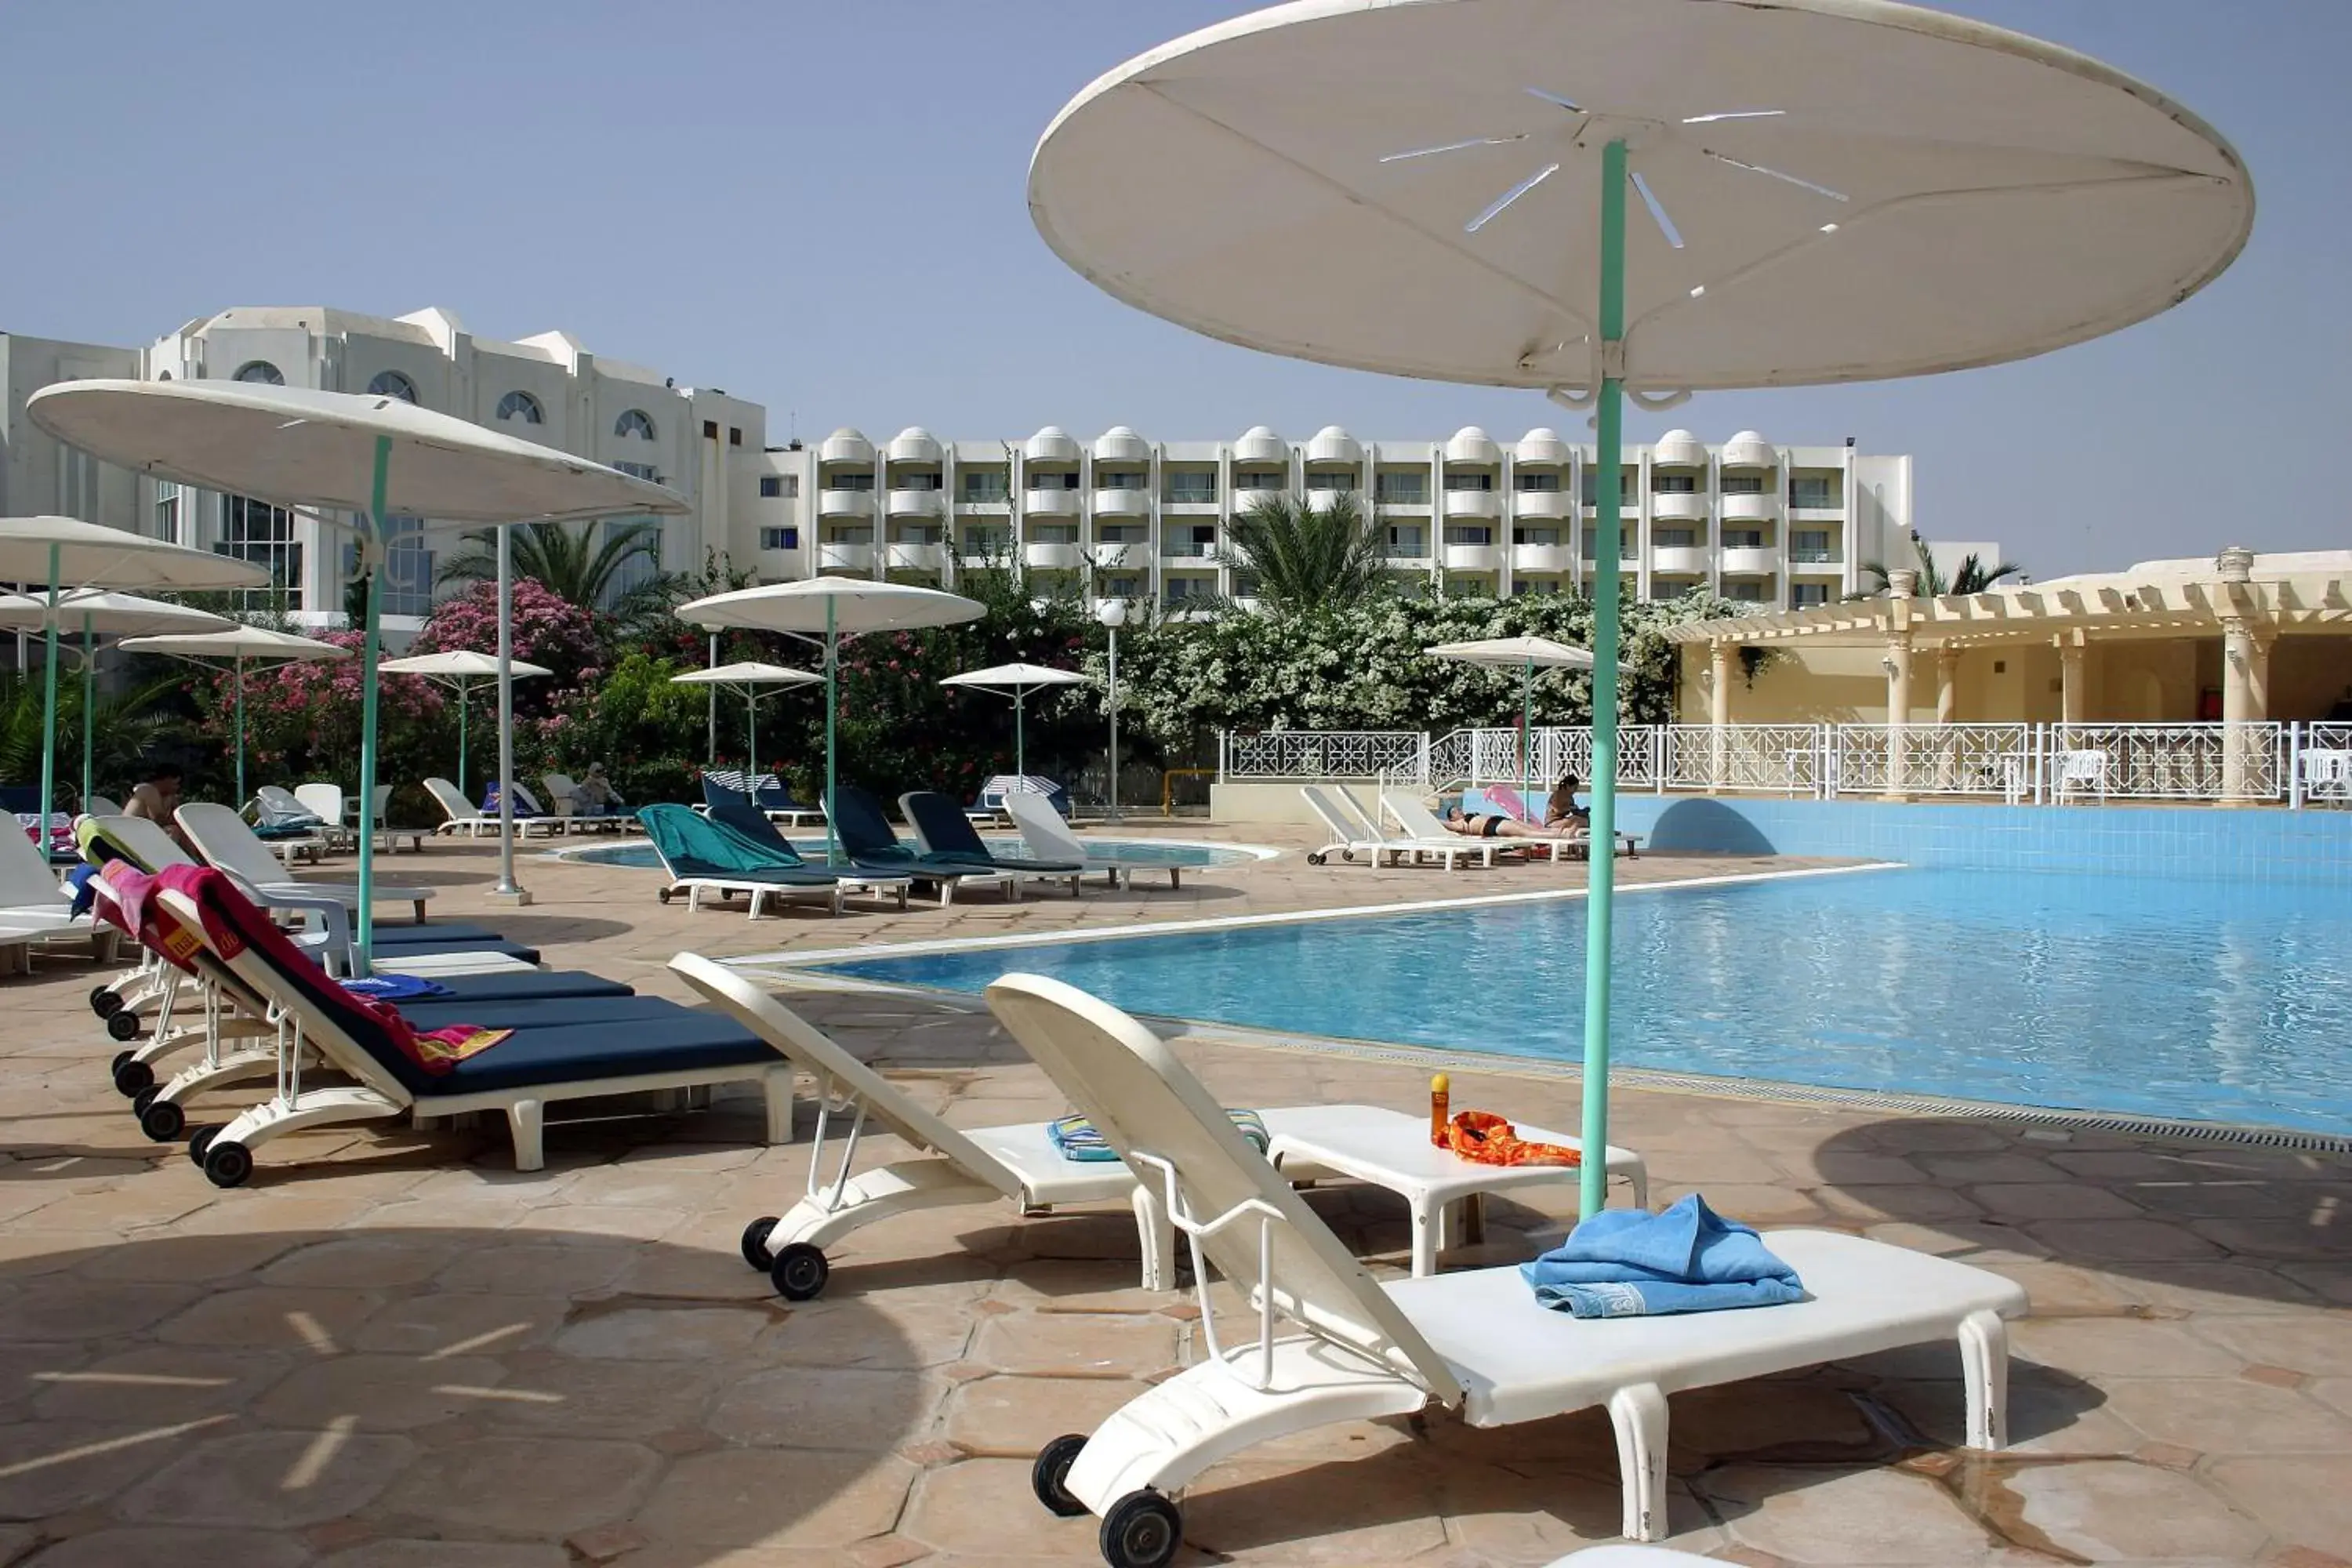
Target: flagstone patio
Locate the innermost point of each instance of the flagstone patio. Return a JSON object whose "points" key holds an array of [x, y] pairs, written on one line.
{"points": [[393, 1351]]}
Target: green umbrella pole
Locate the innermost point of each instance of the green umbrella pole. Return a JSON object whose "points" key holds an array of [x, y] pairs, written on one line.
{"points": [[239, 681], [1593, 1189], [89, 711], [1020, 733], [49, 715], [368, 706], [465, 690], [751, 769], [1527, 730], [832, 704]]}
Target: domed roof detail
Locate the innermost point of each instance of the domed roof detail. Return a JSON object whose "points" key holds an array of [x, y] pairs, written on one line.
{"points": [[1748, 450], [913, 445], [1541, 444], [1472, 445], [1333, 444], [846, 446], [1678, 449], [1120, 444], [1259, 444], [1050, 445]]}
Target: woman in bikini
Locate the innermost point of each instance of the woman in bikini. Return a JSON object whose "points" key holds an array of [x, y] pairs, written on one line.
{"points": [[1476, 824]]}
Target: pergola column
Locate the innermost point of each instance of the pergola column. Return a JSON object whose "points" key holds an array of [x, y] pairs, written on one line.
{"points": [[2245, 682], [1900, 585], [2070, 678], [1718, 710], [1948, 689]]}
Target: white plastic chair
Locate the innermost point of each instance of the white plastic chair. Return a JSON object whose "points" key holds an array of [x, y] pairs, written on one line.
{"points": [[2082, 772]]}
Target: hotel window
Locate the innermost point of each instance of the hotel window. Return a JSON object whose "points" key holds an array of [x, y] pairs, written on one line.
{"points": [[1456, 481], [734, 435], [1810, 545], [636, 422], [407, 566], [1120, 479], [916, 482], [1674, 538], [771, 487], [1745, 593], [1813, 490], [1124, 587], [1407, 541], [167, 513], [1469, 534], [1534, 536], [780, 538], [1547, 482], [853, 480], [1743, 539], [1743, 484], [1624, 487], [262, 373], [1401, 490], [982, 487], [1052, 481], [1256, 480], [521, 407], [1674, 484], [1192, 489], [1181, 588], [639, 470], [264, 534], [1802, 595], [1120, 532], [392, 384], [1525, 585], [1333, 480], [1053, 533]]}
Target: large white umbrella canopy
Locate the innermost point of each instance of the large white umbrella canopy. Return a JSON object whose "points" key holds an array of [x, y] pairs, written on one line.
{"points": [[63, 552], [375, 457], [461, 669], [240, 646], [96, 613], [745, 678], [825, 610], [1524, 655], [1837, 190], [1018, 681]]}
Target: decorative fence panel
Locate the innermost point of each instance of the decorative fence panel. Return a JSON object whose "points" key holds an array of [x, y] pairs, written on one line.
{"points": [[1933, 759], [2164, 762], [1326, 754], [1784, 759], [2323, 765]]}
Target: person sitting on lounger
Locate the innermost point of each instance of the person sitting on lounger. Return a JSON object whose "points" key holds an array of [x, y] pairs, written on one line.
{"points": [[1562, 815], [594, 796], [155, 799], [1479, 824]]}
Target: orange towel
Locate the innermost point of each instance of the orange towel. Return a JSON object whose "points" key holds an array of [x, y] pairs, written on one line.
{"points": [[1483, 1136]]}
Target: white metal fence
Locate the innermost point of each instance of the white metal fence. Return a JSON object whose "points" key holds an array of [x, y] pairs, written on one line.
{"points": [[2296, 764]]}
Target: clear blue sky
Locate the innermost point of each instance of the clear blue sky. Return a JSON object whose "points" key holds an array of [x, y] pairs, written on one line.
{"points": [[820, 206]]}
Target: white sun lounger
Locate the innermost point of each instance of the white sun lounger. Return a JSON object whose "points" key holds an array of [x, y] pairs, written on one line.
{"points": [[1429, 836], [1050, 839], [1021, 1163], [1333, 1344], [1349, 839], [31, 900], [462, 816], [225, 841]]}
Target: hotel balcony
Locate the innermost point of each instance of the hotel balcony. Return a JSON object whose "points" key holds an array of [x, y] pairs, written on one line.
{"points": [[1763, 508], [856, 558], [1543, 558], [1042, 556], [1125, 555], [1122, 503], [1245, 499], [1751, 560], [845, 503], [1487, 558], [1050, 503], [1324, 500], [1668, 506], [916, 556], [917, 504], [1816, 561], [1678, 560], [1549, 505], [1473, 503]]}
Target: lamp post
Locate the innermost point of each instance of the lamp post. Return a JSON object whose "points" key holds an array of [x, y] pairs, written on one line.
{"points": [[1112, 614]]}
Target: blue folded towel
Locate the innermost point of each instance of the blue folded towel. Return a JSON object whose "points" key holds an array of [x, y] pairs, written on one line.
{"points": [[1625, 1263], [1077, 1138], [395, 987], [84, 895]]}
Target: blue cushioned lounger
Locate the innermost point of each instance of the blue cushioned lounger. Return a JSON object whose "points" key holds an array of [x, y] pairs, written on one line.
{"points": [[654, 1012]]}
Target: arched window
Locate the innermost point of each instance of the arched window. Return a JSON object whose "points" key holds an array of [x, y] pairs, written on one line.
{"points": [[636, 422], [392, 384], [521, 406], [260, 372]]}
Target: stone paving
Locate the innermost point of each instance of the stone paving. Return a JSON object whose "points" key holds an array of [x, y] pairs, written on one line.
{"points": [[392, 1350]]}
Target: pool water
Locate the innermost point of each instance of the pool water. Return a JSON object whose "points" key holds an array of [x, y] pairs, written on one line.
{"points": [[1146, 852], [2143, 997]]}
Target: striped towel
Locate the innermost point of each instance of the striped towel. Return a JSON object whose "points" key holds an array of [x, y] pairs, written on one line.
{"points": [[1076, 1136]]}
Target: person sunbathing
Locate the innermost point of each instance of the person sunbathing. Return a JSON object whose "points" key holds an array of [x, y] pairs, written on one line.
{"points": [[1562, 815], [1479, 824]]}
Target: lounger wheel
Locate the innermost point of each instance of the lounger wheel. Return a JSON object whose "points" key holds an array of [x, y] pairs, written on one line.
{"points": [[228, 1164], [105, 1001], [800, 1272], [162, 1121], [755, 1243], [1142, 1529], [142, 1099], [661, 893], [131, 1075], [1316, 858], [122, 1026], [1049, 1477], [200, 1142]]}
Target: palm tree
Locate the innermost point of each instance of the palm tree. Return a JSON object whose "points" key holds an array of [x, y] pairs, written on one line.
{"points": [[1305, 557], [570, 563], [1972, 577]]}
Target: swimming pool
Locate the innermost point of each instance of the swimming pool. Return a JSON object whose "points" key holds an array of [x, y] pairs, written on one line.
{"points": [[2146, 996], [1146, 852]]}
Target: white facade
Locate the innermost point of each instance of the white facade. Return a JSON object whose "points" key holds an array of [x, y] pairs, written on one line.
{"points": [[1118, 516]]}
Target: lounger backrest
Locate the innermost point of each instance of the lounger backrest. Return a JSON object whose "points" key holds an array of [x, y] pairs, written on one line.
{"points": [[1367, 822], [1042, 828], [691, 845], [99, 805], [940, 826], [222, 838], [451, 800], [561, 791], [864, 830], [1418, 821], [144, 842], [740, 816], [26, 879], [342, 1028], [322, 799], [1322, 805], [1126, 1080], [814, 1052]]}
